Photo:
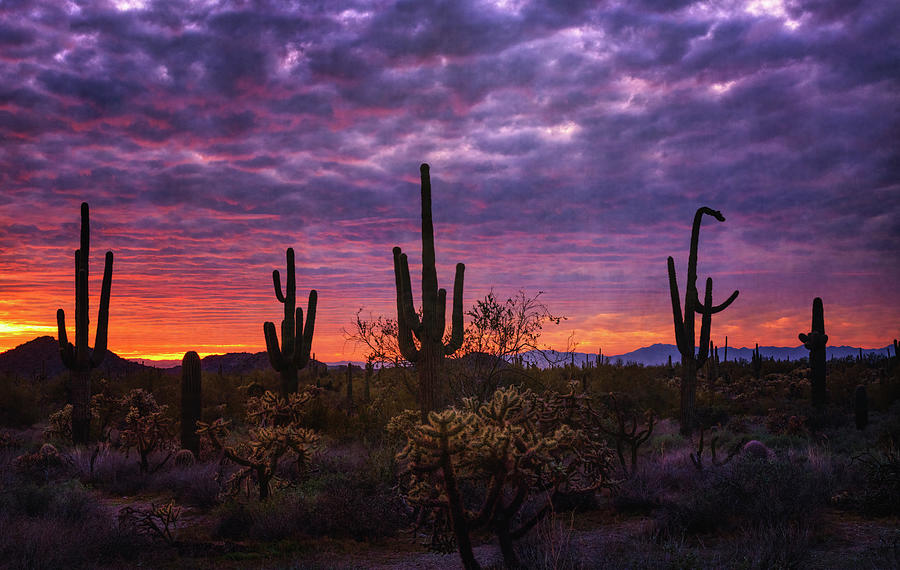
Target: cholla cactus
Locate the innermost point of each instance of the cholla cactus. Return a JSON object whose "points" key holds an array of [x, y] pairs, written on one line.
{"points": [[276, 435], [156, 521], [146, 428], [516, 448]]}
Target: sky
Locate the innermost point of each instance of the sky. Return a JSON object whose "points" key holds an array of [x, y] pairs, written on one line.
{"points": [[570, 144]]}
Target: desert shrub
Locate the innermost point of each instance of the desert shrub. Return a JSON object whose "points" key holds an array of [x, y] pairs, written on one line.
{"points": [[549, 546], [43, 465], [19, 403], [197, 484], [352, 505], [758, 492], [776, 545], [781, 423], [879, 493], [58, 526], [232, 520]]}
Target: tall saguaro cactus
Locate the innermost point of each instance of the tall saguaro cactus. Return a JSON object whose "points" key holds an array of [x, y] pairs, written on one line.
{"points": [[296, 338], [815, 342], [80, 359], [429, 329], [191, 401], [684, 323]]}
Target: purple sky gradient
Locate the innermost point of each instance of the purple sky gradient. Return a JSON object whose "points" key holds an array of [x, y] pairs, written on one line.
{"points": [[570, 144]]}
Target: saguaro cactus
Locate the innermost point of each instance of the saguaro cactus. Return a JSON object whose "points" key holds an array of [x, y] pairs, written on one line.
{"points": [[80, 359], [815, 342], [296, 338], [191, 401], [429, 329], [756, 362], [684, 324], [861, 407]]}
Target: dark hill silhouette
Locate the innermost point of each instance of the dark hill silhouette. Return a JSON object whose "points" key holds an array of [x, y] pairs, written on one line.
{"points": [[39, 359], [238, 363]]}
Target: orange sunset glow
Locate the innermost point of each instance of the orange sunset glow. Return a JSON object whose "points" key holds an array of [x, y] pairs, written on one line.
{"points": [[568, 157]]}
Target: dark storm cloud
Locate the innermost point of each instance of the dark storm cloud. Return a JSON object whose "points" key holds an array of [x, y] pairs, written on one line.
{"points": [[579, 136]]}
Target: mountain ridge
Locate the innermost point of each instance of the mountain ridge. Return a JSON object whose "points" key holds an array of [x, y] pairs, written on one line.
{"points": [[39, 358]]}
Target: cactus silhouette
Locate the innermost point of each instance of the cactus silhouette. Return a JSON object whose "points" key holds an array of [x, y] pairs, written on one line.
{"points": [[296, 338], [191, 401], [861, 407], [756, 362], [80, 359], [815, 342], [684, 323], [429, 329]]}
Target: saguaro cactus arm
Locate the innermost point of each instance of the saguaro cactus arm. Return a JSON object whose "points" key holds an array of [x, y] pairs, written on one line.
{"points": [[304, 334], [407, 320], [79, 355], [272, 348], [456, 326], [680, 336], [66, 350], [100, 340]]}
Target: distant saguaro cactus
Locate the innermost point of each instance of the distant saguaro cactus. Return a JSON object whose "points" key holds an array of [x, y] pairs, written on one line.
{"points": [[429, 330], [861, 407], [815, 341], [756, 362], [80, 359], [684, 323], [295, 338], [191, 401], [350, 406]]}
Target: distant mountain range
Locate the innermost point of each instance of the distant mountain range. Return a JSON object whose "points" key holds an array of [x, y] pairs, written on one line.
{"points": [[658, 354], [39, 358]]}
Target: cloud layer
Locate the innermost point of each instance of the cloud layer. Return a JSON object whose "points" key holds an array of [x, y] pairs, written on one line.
{"points": [[570, 144]]}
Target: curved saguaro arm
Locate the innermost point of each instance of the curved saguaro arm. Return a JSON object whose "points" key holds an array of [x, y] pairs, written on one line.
{"points": [[296, 339], [79, 358], [684, 320], [429, 329], [408, 322], [456, 325]]}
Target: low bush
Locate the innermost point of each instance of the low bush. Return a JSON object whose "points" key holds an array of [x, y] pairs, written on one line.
{"points": [[757, 493]]}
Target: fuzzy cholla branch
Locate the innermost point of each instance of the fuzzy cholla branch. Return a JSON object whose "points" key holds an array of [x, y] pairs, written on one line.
{"points": [[154, 521], [481, 464], [145, 428], [276, 435]]}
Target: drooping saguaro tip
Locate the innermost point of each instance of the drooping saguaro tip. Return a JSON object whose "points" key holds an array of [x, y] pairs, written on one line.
{"points": [[684, 321]]}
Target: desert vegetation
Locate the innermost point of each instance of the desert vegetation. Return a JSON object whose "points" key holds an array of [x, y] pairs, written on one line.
{"points": [[456, 452]]}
